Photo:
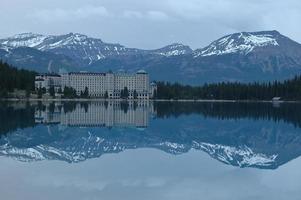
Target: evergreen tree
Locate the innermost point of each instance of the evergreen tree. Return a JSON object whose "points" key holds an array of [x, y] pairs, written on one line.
{"points": [[40, 93], [126, 93], [135, 94], [155, 94], [28, 92], [60, 91], [12, 78], [51, 91], [86, 92], [106, 95], [69, 92]]}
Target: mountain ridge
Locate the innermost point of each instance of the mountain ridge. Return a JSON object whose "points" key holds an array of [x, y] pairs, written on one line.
{"points": [[245, 57]]}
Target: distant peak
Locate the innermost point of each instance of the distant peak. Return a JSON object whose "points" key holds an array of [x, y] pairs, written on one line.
{"points": [[177, 44], [79, 37], [26, 35], [76, 34], [173, 49], [272, 32], [243, 43]]}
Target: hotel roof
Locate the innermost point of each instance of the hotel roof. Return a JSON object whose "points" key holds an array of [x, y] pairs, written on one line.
{"points": [[87, 73], [141, 71]]}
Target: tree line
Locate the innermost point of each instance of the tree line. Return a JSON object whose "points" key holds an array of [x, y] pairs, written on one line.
{"points": [[12, 78], [287, 90]]}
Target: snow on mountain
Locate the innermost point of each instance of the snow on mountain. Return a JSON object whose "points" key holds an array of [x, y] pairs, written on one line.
{"points": [[241, 57], [81, 48], [5, 48], [85, 50], [237, 156], [175, 49], [91, 147], [242, 43], [23, 40], [73, 151]]}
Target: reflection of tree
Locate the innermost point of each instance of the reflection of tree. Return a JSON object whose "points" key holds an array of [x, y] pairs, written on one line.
{"points": [[69, 106], [51, 107], [124, 105], [13, 118], [84, 105], [259, 111], [135, 105], [124, 94], [41, 106]]}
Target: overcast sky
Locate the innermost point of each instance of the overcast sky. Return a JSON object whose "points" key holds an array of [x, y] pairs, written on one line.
{"points": [[151, 23]]}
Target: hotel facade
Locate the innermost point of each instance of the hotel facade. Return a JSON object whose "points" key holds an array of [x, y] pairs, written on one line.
{"points": [[101, 84]]}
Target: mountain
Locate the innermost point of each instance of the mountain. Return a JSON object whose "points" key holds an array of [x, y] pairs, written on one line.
{"points": [[244, 57], [33, 59], [82, 49], [247, 57], [242, 43]]}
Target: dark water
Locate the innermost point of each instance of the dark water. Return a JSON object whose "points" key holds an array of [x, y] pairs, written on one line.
{"points": [[146, 150]]}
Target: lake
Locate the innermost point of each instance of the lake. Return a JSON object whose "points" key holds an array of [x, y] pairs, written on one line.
{"points": [[150, 150]]}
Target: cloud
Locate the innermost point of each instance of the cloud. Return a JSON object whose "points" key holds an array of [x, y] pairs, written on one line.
{"points": [[151, 24], [148, 15], [157, 15], [132, 14], [60, 14]]}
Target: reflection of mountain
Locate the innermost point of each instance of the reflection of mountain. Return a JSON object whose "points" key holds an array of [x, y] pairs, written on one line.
{"points": [[246, 141]]}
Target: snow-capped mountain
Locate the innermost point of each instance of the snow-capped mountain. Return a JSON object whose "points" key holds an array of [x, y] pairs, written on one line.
{"points": [[82, 48], [243, 57], [23, 40], [242, 43]]}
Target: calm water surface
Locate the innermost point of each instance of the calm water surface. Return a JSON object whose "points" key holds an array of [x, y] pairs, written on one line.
{"points": [[146, 150]]}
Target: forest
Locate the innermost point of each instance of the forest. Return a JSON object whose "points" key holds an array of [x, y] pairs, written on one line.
{"points": [[287, 90], [12, 78]]}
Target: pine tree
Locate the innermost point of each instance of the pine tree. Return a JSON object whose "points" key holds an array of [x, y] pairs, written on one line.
{"points": [[51, 91]]}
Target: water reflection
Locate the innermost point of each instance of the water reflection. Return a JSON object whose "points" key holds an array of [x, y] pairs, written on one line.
{"points": [[256, 135], [95, 114]]}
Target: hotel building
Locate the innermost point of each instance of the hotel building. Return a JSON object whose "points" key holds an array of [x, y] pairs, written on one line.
{"points": [[100, 84], [48, 80]]}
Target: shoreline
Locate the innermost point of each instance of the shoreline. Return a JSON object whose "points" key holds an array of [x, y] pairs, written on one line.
{"points": [[152, 100]]}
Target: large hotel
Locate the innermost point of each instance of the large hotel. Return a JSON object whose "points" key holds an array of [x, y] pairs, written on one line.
{"points": [[101, 84]]}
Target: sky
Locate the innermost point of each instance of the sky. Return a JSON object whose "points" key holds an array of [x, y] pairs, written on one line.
{"points": [[150, 24]]}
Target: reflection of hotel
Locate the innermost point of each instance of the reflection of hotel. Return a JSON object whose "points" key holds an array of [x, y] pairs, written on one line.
{"points": [[98, 114]]}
